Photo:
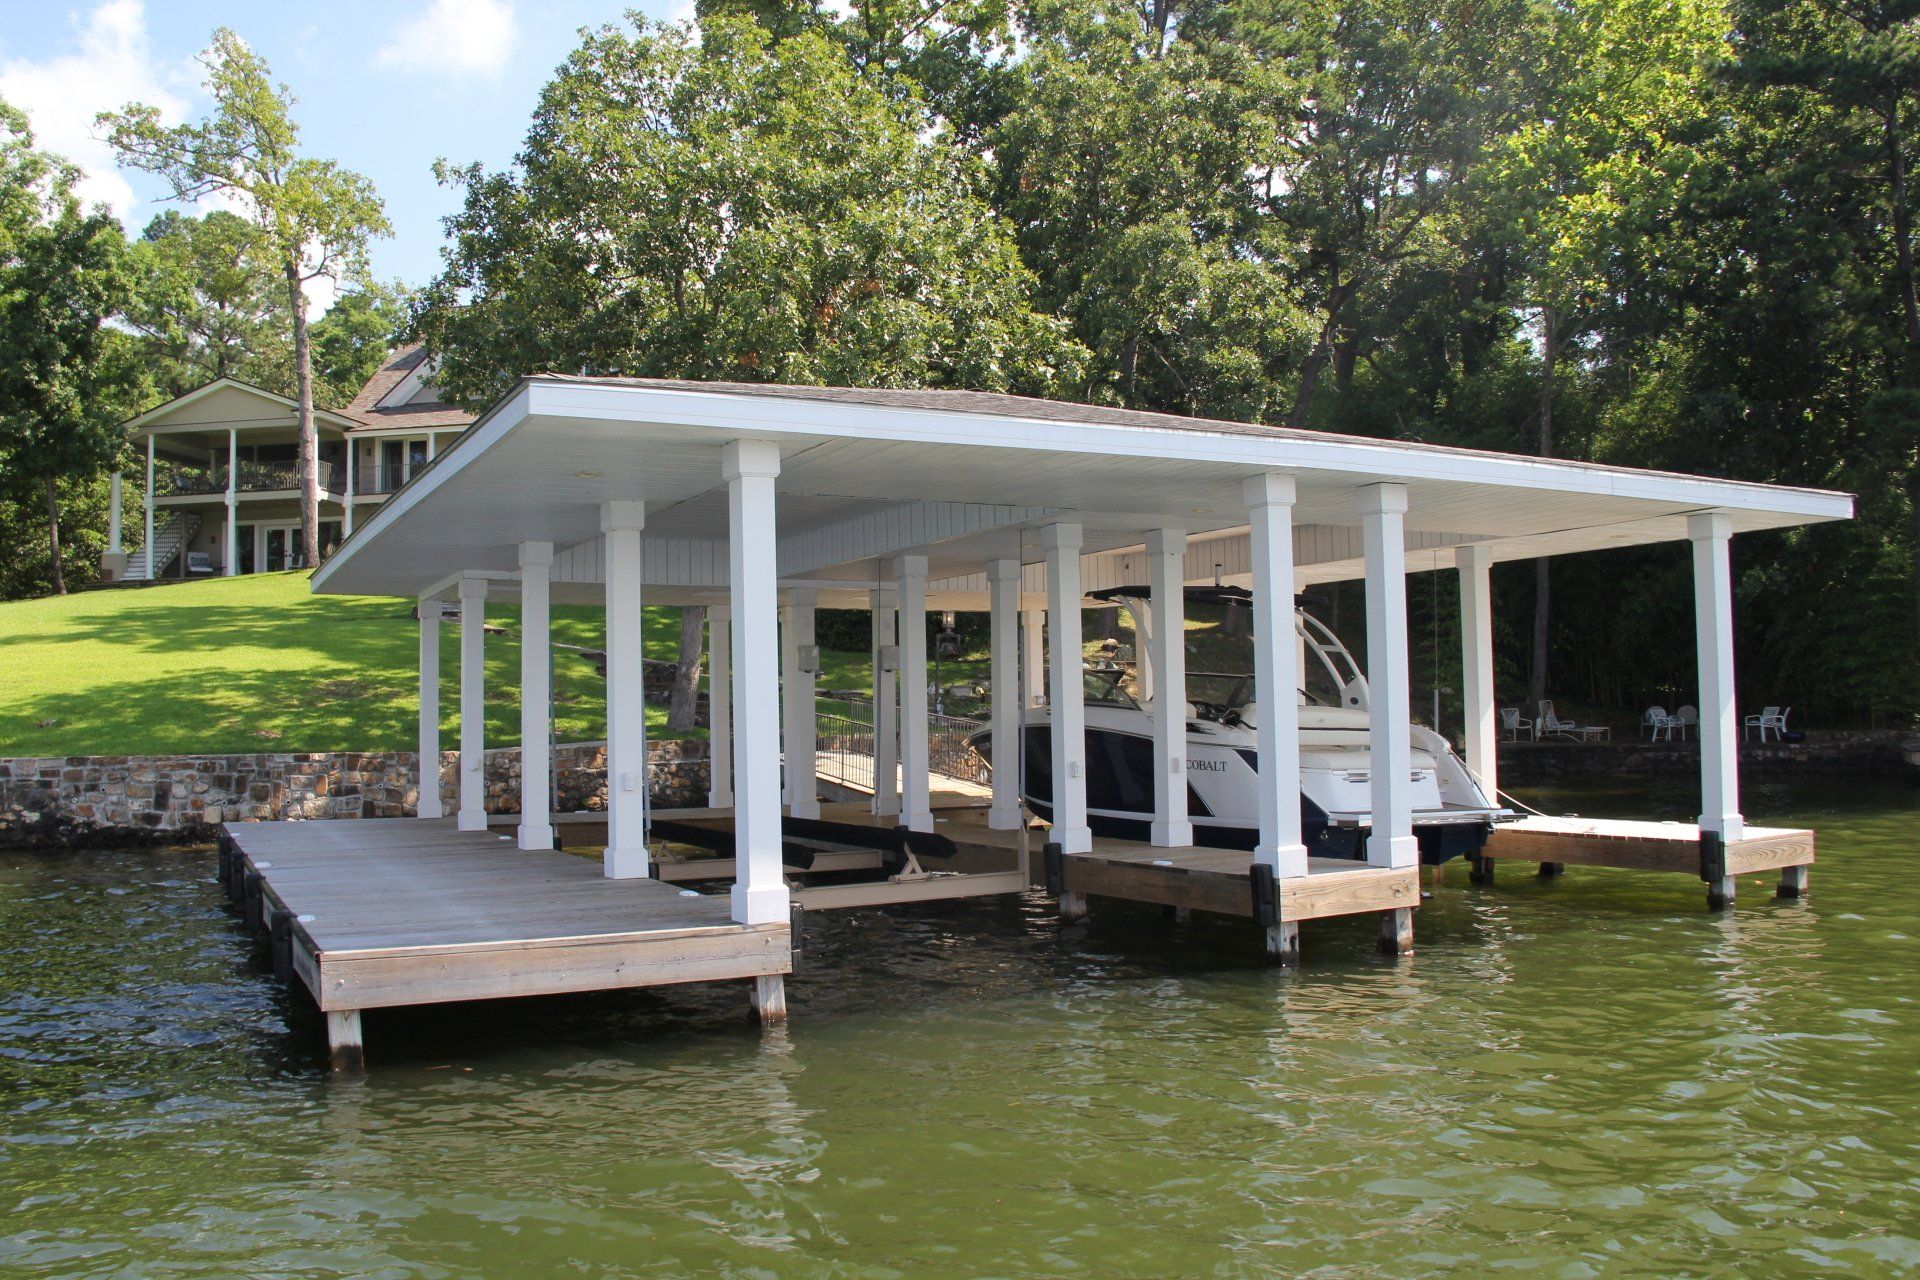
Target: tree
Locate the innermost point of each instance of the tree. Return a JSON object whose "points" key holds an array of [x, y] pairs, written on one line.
{"points": [[314, 218], [352, 340], [739, 207], [209, 304], [62, 277]]}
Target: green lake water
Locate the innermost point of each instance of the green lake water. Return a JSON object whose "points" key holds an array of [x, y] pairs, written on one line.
{"points": [[1585, 1077]]}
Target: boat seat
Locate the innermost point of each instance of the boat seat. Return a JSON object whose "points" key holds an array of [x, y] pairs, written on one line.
{"points": [[1249, 715]]}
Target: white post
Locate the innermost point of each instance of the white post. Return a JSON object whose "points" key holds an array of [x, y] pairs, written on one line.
{"points": [[1062, 542], [799, 721], [1166, 559], [113, 517], [1276, 680], [473, 704], [231, 555], [625, 857], [1719, 719], [910, 573], [153, 570], [1003, 578], [432, 441], [427, 805], [719, 709], [1482, 735], [1383, 510], [1033, 655], [350, 447], [759, 891], [886, 705], [536, 693]]}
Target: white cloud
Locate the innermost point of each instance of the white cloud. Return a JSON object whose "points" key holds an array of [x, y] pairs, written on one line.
{"points": [[461, 37], [109, 66]]}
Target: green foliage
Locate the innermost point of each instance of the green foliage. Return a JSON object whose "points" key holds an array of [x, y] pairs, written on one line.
{"points": [[352, 340], [737, 207], [210, 303]]}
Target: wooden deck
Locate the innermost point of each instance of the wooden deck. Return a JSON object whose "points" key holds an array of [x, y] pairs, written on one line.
{"points": [[400, 911], [1556, 843]]}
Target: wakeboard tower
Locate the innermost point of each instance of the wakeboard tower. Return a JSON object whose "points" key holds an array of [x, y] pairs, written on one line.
{"points": [[1452, 814]]}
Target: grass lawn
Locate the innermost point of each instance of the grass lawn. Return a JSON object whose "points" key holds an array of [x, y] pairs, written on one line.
{"points": [[258, 663]]}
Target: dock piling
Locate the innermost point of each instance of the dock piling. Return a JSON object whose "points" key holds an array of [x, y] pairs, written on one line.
{"points": [[1283, 943], [1793, 881], [770, 998], [1396, 931], [345, 1046]]}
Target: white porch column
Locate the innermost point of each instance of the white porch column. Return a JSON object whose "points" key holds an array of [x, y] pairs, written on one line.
{"points": [[1277, 678], [427, 805], [350, 447], [799, 723], [886, 704], [1720, 817], [1482, 734], [719, 709], [1033, 656], [232, 539], [1062, 542], [153, 570], [473, 704], [1383, 510], [1003, 578], [1166, 559], [113, 517], [759, 891], [625, 857], [910, 575], [536, 696]]}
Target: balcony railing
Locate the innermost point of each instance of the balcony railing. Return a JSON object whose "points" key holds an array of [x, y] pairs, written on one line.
{"points": [[251, 477], [380, 478]]}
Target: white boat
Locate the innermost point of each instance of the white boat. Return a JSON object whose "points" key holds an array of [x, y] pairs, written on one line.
{"points": [[1452, 814]]}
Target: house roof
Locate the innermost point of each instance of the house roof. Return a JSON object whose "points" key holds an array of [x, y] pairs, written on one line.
{"points": [[154, 418], [366, 410]]}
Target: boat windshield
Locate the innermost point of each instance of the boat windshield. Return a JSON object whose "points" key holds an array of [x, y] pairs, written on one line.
{"points": [[1101, 686]]}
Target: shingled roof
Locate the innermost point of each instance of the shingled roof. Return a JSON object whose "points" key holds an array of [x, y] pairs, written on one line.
{"points": [[365, 407]]}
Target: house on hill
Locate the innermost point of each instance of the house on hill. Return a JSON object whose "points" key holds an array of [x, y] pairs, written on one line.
{"points": [[222, 469]]}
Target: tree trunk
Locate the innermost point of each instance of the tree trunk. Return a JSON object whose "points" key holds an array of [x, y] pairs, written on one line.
{"points": [[53, 537], [683, 705], [1549, 357], [309, 435], [1309, 382]]}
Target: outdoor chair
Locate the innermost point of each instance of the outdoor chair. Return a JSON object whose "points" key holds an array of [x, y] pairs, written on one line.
{"points": [[1553, 724], [1685, 718], [199, 562], [1772, 719], [1515, 724], [1656, 721]]}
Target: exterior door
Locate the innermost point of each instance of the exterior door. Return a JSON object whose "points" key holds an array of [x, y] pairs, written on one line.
{"points": [[282, 542]]}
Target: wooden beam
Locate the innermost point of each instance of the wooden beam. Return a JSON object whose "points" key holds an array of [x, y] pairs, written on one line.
{"points": [[345, 1046]]}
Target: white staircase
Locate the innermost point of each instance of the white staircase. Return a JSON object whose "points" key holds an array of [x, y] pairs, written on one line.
{"points": [[149, 563]]}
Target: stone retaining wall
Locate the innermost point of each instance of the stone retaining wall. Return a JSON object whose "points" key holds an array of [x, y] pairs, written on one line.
{"points": [[1855, 752], [73, 800]]}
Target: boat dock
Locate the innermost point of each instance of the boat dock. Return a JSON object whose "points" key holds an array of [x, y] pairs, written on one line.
{"points": [[397, 911], [1556, 843]]}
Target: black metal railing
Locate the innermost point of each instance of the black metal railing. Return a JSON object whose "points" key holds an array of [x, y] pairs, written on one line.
{"points": [[251, 477], [379, 478]]}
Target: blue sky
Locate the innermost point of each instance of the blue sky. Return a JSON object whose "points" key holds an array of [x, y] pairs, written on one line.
{"points": [[383, 88]]}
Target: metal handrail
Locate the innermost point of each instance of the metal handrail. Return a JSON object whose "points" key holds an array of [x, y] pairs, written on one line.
{"points": [[252, 477]]}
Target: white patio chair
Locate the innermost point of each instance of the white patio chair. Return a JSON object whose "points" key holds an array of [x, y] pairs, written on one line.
{"points": [[1656, 721], [1553, 724], [1685, 718], [1515, 724], [1770, 719]]}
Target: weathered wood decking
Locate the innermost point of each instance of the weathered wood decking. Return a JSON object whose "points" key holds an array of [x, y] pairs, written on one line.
{"points": [[402, 911]]}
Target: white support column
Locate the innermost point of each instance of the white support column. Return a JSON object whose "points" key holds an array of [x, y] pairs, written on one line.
{"points": [[427, 804], [799, 722], [1383, 509], [350, 447], [1277, 678], [473, 704], [1003, 578], [1482, 735], [910, 575], [625, 857], [759, 890], [113, 517], [886, 704], [153, 570], [1067, 695], [719, 709], [230, 553], [1166, 558], [1033, 656], [536, 696], [1720, 817]]}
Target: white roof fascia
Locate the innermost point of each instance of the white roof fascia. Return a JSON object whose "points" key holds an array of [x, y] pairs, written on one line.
{"points": [[775, 416]]}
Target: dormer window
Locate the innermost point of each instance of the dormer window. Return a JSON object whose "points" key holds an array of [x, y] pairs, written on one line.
{"points": [[416, 388]]}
